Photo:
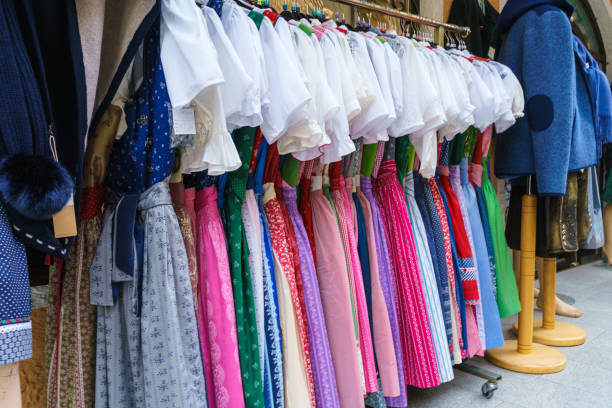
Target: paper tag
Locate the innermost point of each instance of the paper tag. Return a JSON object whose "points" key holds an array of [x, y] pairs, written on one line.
{"points": [[64, 222], [183, 121]]}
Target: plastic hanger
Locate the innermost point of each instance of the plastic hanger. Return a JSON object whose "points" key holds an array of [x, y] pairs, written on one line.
{"points": [[368, 157], [411, 157], [389, 153], [244, 4], [290, 170], [470, 143], [456, 149]]}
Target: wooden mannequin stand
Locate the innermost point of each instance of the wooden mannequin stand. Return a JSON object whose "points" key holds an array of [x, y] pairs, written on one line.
{"points": [[523, 355], [547, 330]]}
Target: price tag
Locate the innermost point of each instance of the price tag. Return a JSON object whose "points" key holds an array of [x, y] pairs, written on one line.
{"points": [[183, 121], [64, 222]]}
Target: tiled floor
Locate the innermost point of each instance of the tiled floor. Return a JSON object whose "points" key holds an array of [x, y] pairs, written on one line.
{"points": [[587, 380]]}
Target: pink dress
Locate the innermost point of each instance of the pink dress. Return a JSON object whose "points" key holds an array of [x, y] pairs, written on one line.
{"points": [[421, 367], [335, 297], [218, 335], [381, 326], [349, 243]]}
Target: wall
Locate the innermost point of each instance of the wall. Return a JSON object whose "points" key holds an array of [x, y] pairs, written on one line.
{"points": [[602, 11]]}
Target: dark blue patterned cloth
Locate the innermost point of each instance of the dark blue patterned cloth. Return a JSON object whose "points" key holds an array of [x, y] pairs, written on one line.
{"points": [[273, 358], [436, 243], [15, 303]]}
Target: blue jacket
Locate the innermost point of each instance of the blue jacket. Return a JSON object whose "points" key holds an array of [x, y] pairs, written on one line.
{"points": [[599, 92], [557, 134]]}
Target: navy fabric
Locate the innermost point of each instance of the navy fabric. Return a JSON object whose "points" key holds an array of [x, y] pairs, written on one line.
{"points": [[482, 25], [540, 112], [203, 180], [15, 303], [216, 5], [143, 157], [53, 45], [364, 258], [27, 131], [56, 41], [21, 101], [221, 184], [123, 224]]}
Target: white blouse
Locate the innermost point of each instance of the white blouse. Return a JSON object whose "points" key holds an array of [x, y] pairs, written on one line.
{"points": [[193, 77], [243, 34], [324, 101], [213, 148], [480, 96], [378, 57], [309, 133], [352, 84], [396, 82], [238, 93], [374, 117], [188, 55], [289, 97], [338, 130]]}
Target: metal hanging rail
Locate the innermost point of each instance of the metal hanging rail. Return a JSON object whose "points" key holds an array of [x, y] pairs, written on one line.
{"points": [[405, 16]]}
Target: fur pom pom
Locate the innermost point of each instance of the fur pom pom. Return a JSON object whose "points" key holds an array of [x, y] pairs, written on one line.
{"points": [[35, 186]]}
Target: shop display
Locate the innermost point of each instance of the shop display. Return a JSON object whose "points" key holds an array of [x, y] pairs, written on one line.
{"points": [[284, 210]]}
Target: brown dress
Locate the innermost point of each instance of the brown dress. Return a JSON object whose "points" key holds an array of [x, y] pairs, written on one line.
{"points": [[177, 191], [70, 353]]}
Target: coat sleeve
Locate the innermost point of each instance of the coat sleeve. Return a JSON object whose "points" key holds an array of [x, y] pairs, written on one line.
{"points": [[549, 76]]}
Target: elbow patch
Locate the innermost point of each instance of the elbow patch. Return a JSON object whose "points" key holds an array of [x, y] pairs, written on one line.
{"points": [[540, 112]]}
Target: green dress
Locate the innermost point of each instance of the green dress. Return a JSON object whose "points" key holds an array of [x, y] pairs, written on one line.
{"points": [[238, 252], [507, 294]]}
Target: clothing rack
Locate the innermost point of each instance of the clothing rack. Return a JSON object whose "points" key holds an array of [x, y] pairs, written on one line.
{"points": [[464, 31], [492, 378]]}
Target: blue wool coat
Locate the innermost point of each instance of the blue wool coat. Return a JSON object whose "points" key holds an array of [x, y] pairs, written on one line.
{"points": [[557, 133]]}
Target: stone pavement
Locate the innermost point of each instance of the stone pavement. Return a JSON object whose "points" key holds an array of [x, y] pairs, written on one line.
{"points": [[587, 380]]}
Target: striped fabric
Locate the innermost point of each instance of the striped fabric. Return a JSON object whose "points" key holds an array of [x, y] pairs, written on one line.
{"points": [[455, 180], [432, 298], [444, 241], [420, 367], [386, 280]]}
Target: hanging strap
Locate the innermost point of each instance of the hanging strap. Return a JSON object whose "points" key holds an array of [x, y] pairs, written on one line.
{"points": [[260, 165]]}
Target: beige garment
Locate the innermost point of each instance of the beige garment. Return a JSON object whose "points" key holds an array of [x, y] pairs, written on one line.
{"points": [[10, 396], [106, 28], [294, 374]]}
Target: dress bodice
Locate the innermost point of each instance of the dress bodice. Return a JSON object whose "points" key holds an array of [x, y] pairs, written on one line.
{"points": [[143, 156]]}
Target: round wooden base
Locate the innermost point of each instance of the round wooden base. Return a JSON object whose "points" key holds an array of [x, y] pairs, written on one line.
{"points": [[563, 335], [541, 360]]}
